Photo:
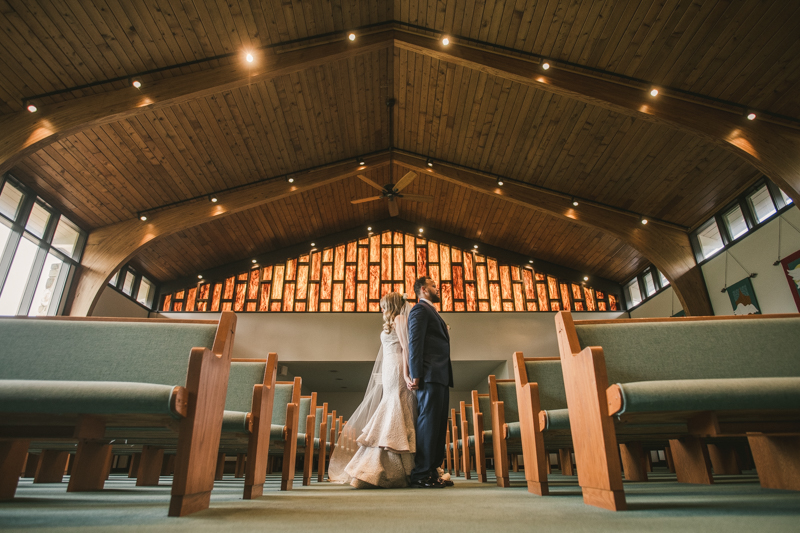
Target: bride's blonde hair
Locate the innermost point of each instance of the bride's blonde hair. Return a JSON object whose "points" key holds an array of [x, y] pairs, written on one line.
{"points": [[392, 305]]}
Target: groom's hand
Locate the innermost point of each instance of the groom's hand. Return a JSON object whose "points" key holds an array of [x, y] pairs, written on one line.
{"points": [[414, 385]]}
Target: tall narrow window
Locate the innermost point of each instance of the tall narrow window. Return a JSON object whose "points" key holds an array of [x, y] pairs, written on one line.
{"points": [[761, 204], [734, 220], [633, 293], [709, 238], [649, 283]]}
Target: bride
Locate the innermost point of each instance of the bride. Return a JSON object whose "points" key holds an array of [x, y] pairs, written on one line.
{"points": [[377, 445]]}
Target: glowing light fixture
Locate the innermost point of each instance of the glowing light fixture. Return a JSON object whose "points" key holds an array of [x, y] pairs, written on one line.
{"points": [[751, 116], [30, 107], [313, 244], [290, 179], [254, 261], [249, 58], [421, 230], [654, 92], [199, 276], [545, 65], [445, 41], [352, 36], [213, 198], [137, 83], [429, 162], [643, 220], [530, 261], [142, 217], [499, 182], [369, 228], [575, 202], [361, 161], [585, 278], [475, 246]]}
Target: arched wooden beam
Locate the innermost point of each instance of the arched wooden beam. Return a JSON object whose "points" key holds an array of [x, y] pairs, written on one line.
{"points": [[772, 148], [668, 248], [108, 248], [24, 133]]}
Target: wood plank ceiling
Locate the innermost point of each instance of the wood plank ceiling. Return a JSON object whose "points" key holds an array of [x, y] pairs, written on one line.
{"points": [[745, 52]]}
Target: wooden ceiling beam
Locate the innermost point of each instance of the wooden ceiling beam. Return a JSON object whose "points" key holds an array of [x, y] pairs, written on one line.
{"points": [[667, 247], [772, 148], [110, 247]]}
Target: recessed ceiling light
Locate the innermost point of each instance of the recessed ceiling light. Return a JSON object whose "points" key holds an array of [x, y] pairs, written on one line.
{"points": [[475, 246], [290, 179], [575, 202], [352, 36], [249, 58], [361, 161], [254, 261], [31, 108], [199, 276], [499, 182], [429, 162], [421, 230], [643, 220], [213, 199], [445, 41], [545, 65], [654, 92], [585, 278], [751, 116], [369, 228], [530, 261], [137, 84], [313, 244], [142, 217]]}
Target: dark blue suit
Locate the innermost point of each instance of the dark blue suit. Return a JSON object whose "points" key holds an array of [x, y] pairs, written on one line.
{"points": [[429, 361]]}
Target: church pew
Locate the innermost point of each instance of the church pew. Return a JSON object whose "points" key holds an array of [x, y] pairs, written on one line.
{"points": [[467, 439], [321, 441], [283, 431], [506, 437], [305, 434], [124, 376], [713, 376], [247, 420], [455, 440], [482, 422]]}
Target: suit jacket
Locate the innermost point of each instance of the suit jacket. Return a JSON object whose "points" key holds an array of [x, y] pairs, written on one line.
{"points": [[428, 346]]}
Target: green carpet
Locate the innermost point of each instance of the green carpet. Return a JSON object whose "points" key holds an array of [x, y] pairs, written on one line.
{"points": [[734, 503]]}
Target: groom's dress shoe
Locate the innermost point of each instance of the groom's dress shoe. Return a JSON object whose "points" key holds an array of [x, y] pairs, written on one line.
{"points": [[446, 482], [426, 484]]}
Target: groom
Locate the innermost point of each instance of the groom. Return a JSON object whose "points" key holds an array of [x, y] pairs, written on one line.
{"points": [[431, 374]]}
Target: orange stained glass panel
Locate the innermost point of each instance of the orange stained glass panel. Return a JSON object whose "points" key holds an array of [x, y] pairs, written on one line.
{"points": [[386, 237], [178, 306], [601, 306], [399, 287], [552, 287], [468, 267], [455, 254], [411, 277], [226, 306], [459, 307], [579, 306], [291, 270], [421, 241], [479, 258], [375, 249], [243, 276], [252, 286], [167, 302], [386, 264], [300, 307], [324, 307], [444, 262], [494, 293], [241, 292], [350, 282], [277, 284], [313, 297], [472, 300], [352, 252], [303, 258], [263, 303], [397, 238], [190, 297], [327, 255], [600, 296], [398, 263], [179, 295], [266, 274], [565, 297], [326, 289], [612, 302], [505, 282], [483, 287], [361, 300], [338, 265], [302, 282], [422, 262], [288, 298], [251, 306], [515, 274], [433, 252], [316, 266], [539, 277], [228, 289], [275, 307], [349, 307], [519, 301], [374, 307], [541, 292], [374, 282], [364, 242], [386, 288], [433, 272], [217, 295], [493, 275], [483, 306], [363, 264], [202, 307], [589, 298], [527, 280], [576, 292], [458, 282], [508, 306], [531, 306], [204, 290], [447, 297], [555, 306], [410, 249]]}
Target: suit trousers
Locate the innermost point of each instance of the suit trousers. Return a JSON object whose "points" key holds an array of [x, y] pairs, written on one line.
{"points": [[433, 400]]}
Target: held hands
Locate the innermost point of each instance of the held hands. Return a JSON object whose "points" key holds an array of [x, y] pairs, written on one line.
{"points": [[413, 384]]}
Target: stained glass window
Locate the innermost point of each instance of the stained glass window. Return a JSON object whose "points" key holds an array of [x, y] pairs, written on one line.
{"points": [[352, 277]]}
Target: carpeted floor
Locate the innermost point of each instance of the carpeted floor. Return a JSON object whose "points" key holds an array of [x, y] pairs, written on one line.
{"points": [[732, 504]]}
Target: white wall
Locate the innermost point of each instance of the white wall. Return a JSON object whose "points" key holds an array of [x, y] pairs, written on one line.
{"points": [[665, 303], [114, 304]]}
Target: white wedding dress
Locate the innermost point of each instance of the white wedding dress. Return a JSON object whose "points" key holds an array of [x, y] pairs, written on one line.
{"points": [[386, 446]]}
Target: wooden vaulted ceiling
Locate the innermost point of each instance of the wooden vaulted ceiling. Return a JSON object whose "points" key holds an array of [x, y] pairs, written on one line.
{"points": [[746, 53]]}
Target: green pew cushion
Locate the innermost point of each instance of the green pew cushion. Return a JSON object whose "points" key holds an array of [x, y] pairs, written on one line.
{"points": [[557, 419], [711, 395], [514, 431], [84, 397], [243, 377], [234, 421], [276, 432], [301, 440]]}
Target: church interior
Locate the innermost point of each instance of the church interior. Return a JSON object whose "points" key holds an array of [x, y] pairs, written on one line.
{"points": [[203, 202]]}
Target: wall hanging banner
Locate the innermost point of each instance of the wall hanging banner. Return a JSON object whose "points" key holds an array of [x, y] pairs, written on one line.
{"points": [[743, 298], [791, 267]]}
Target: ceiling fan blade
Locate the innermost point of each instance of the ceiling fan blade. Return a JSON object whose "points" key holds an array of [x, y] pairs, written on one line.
{"points": [[369, 182], [363, 200], [404, 181], [394, 210], [418, 198]]}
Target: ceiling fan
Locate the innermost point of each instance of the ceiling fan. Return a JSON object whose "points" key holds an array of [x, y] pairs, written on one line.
{"points": [[391, 192]]}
